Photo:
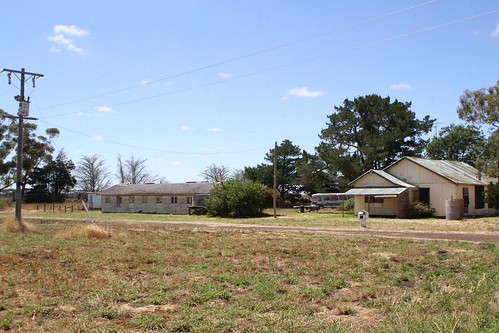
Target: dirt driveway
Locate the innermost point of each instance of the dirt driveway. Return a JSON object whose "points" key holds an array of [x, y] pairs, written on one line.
{"points": [[427, 235]]}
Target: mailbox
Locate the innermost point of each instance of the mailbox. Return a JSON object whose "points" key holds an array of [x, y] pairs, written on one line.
{"points": [[363, 215]]}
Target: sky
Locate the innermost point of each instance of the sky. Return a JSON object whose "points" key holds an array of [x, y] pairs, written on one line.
{"points": [[185, 84]]}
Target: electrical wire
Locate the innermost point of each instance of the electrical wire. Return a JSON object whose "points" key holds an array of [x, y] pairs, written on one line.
{"points": [[361, 46], [280, 46]]}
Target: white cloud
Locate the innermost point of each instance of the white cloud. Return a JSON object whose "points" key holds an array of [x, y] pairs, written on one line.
{"points": [[62, 38], [71, 30], [304, 92], [400, 86], [105, 109], [98, 138], [214, 129], [225, 75], [176, 163], [495, 33], [187, 128], [144, 82]]}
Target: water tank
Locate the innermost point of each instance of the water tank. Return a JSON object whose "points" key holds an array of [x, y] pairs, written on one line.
{"points": [[454, 209]]}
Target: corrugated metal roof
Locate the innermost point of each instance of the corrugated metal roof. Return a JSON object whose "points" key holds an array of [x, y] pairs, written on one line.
{"points": [[376, 191], [392, 179], [156, 189], [454, 171]]}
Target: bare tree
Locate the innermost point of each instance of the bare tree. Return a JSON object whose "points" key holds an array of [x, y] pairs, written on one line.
{"points": [[134, 171], [91, 174], [216, 174]]}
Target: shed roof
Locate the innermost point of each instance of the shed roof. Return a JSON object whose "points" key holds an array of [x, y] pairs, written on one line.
{"points": [[159, 189], [454, 171]]}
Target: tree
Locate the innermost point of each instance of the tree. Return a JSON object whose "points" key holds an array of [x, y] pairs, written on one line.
{"points": [[37, 149], [314, 176], [480, 106], [236, 198], [492, 195], [134, 171], [457, 143], [50, 182], [216, 174], [288, 180], [91, 174], [370, 132]]}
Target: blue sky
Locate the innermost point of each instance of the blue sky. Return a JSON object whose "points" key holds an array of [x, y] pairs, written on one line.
{"points": [[188, 83]]}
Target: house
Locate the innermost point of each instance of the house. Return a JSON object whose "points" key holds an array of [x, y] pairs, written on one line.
{"points": [[178, 198], [390, 191]]}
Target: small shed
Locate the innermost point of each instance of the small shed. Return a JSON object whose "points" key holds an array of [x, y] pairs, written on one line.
{"points": [[94, 200]]}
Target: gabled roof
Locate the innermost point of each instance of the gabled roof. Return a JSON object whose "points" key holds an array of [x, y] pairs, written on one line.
{"points": [[383, 174], [454, 171], [159, 189]]}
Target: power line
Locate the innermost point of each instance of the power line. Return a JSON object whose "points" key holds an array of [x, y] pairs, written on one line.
{"points": [[369, 44], [280, 46]]}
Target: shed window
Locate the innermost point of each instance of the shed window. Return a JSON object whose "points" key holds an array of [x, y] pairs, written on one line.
{"points": [[189, 200], [107, 199], [131, 199], [145, 199], [174, 200], [159, 200]]}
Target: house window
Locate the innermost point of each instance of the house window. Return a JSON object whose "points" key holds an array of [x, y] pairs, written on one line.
{"points": [[159, 200], [370, 199], [118, 201], [479, 197], [174, 200], [131, 199], [107, 199], [466, 197], [145, 199], [189, 200]]}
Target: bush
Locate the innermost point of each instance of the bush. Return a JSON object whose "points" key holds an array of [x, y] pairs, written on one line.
{"points": [[420, 210], [348, 205], [237, 198]]}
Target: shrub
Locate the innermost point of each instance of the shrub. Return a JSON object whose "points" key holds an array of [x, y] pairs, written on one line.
{"points": [[420, 210], [348, 205], [237, 198]]}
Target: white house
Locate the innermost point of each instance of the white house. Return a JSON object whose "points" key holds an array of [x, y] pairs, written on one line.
{"points": [[178, 198], [390, 191]]}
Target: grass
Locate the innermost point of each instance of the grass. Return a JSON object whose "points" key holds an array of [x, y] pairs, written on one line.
{"points": [[286, 217], [158, 279]]}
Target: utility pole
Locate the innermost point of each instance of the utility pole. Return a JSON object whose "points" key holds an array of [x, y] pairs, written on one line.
{"points": [[22, 114], [274, 201]]}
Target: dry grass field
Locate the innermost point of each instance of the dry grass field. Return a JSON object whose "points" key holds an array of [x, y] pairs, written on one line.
{"points": [[68, 276]]}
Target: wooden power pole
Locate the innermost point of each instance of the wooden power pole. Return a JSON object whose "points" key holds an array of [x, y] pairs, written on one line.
{"points": [[275, 181], [22, 114]]}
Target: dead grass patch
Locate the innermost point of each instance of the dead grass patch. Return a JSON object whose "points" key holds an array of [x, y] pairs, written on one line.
{"points": [[12, 225], [88, 231]]}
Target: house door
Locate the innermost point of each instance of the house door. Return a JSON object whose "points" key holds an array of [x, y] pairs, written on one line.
{"points": [[424, 195]]}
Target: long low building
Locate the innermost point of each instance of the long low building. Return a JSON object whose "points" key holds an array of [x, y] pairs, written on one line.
{"points": [[174, 198]]}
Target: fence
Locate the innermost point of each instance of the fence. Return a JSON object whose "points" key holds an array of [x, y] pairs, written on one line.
{"points": [[66, 208]]}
